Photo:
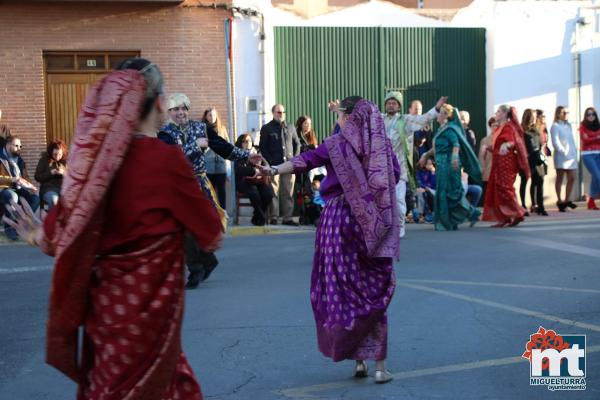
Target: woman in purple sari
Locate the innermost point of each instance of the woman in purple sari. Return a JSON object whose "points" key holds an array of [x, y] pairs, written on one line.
{"points": [[357, 238]]}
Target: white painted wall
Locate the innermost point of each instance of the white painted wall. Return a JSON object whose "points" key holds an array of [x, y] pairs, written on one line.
{"points": [[531, 51], [254, 70], [248, 72]]}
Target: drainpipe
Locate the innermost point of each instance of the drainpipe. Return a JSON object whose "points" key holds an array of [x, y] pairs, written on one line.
{"points": [[228, 27], [580, 21], [266, 76]]}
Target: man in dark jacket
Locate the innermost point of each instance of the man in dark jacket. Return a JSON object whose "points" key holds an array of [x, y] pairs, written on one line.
{"points": [[278, 144], [14, 180]]}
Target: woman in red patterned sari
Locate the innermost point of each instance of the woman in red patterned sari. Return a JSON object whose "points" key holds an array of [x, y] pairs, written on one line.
{"points": [[509, 156], [117, 236]]}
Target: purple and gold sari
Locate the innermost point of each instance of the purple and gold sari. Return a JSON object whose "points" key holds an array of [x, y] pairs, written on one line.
{"points": [[353, 280]]}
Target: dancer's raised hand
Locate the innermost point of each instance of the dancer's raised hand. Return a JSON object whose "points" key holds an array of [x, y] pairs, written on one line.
{"points": [[25, 222], [443, 100], [334, 105]]}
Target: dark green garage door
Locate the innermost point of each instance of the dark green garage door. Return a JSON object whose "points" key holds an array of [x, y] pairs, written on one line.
{"points": [[314, 65]]}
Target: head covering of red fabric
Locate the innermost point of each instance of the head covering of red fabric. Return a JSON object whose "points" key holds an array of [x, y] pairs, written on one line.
{"points": [[362, 158], [513, 121], [102, 137]]}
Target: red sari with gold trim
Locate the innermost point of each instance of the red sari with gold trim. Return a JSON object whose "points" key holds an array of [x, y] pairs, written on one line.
{"points": [[117, 234], [501, 202]]}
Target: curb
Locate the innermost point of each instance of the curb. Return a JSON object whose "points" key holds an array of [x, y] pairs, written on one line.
{"points": [[7, 242], [232, 231], [264, 230]]}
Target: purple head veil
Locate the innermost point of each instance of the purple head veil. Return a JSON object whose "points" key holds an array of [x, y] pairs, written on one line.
{"points": [[363, 161]]}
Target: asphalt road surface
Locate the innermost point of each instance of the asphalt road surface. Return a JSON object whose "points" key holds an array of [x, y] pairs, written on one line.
{"points": [[465, 305]]}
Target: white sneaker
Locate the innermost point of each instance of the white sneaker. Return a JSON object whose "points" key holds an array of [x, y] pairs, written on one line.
{"points": [[383, 376], [402, 232]]}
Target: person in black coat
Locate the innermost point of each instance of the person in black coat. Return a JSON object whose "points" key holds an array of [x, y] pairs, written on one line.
{"points": [[278, 144], [255, 188]]}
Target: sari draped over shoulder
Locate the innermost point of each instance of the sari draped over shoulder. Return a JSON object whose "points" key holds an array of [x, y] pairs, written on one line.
{"points": [[353, 279], [118, 260], [362, 157], [500, 203], [451, 206]]}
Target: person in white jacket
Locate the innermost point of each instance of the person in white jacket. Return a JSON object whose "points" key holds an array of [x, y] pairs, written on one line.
{"points": [[400, 129], [565, 156]]}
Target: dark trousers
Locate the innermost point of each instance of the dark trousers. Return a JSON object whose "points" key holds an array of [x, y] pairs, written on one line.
{"points": [[218, 182], [196, 259], [536, 191], [410, 199], [523, 188], [260, 197]]}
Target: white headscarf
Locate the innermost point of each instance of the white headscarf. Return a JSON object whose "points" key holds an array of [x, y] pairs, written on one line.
{"points": [[177, 99]]}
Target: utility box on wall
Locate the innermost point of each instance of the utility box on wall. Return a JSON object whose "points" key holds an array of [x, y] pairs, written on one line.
{"points": [[252, 114]]}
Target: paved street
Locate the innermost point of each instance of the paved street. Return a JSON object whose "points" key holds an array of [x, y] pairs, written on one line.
{"points": [[464, 308]]}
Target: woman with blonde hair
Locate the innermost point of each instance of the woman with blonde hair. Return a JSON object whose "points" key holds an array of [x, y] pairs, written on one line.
{"points": [[452, 153], [565, 157], [216, 166]]}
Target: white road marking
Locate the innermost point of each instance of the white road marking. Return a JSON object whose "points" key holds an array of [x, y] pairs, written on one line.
{"points": [[18, 270], [507, 285], [306, 391], [551, 244], [574, 227], [505, 307]]}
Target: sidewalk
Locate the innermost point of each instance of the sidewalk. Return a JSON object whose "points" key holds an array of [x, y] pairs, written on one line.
{"points": [[243, 229], [247, 229]]}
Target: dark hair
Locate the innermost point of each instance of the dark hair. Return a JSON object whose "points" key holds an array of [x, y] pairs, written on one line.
{"points": [[54, 145], [347, 105], [539, 112], [240, 140], [595, 125], [152, 76], [527, 120], [273, 108], [11, 139], [558, 112], [491, 121], [311, 137]]}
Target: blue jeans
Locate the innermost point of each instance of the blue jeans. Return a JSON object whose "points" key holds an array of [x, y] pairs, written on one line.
{"points": [[592, 163], [474, 194], [51, 198]]}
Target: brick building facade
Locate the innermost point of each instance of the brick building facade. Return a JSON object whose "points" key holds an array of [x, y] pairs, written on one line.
{"points": [[185, 38]]}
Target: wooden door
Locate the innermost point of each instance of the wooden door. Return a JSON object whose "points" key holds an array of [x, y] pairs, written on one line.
{"points": [[65, 93]]}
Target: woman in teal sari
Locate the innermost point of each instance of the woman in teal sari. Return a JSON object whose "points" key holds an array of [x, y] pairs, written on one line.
{"points": [[452, 153]]}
